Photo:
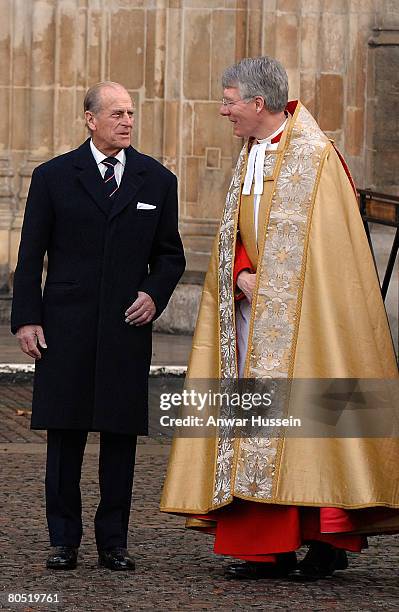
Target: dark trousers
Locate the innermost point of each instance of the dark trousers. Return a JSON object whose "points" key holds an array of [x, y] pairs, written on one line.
{"points": [[65, 449]]}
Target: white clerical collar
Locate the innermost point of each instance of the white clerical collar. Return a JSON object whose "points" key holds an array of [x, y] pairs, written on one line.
{"points": [[256, 161], [99, 156], [276, 133]]}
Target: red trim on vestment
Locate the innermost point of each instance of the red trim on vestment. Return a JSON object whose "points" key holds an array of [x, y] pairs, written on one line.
{"points": [[291, 106], [348, 174]]}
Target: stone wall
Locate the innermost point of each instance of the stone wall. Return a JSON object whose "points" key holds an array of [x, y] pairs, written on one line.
{"points": [[383, 135], [170, 54]]}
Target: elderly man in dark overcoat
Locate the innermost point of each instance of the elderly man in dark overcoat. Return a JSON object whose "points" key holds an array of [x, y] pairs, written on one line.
{"points": [[106, 216]]}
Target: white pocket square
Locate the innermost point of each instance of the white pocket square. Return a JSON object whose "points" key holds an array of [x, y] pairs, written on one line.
{"points": [[144, 206]]}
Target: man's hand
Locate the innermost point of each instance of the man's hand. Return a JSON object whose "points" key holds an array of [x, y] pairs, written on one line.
{"points": [[30, 337], [142, 310], [246, 282]]}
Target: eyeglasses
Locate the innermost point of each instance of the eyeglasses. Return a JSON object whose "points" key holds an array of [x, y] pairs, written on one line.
{"points": [[226, 102]]}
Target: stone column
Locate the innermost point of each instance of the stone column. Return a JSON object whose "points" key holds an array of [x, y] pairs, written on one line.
{"points": [[383, 126], [213, 35], [151, 122], [202, 37], [6, 171], [125, 55], [6, 215], [310, 47], [175, 111], [361, 19], [69, 44], [40, 101]]}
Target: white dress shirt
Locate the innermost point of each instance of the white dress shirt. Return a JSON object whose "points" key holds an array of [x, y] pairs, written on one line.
{"points": [[99, 157]]}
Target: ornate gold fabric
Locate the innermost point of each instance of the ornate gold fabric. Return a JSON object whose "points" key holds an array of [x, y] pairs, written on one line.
{"points": [[317, 313]]}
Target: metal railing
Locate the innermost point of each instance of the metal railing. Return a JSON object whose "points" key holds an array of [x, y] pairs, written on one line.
{"points": [[383, 209]]}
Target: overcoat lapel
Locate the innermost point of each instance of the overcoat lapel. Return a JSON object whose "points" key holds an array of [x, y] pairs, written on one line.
{"points": [[90, 177]]}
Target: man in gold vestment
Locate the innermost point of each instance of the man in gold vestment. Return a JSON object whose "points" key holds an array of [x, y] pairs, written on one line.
{"points": [[291, 293]]}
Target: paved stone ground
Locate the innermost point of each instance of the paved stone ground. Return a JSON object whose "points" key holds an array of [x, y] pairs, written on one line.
{"points": [[176, 569]]}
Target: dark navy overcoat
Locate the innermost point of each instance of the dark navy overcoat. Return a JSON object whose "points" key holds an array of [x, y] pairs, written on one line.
{"points": [[94, 373]]}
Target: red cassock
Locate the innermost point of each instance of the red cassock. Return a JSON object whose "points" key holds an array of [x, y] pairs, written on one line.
{"points": [[257, 532]]}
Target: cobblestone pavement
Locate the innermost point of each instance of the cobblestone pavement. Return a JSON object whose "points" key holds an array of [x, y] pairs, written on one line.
{"points": [[176, 569]]}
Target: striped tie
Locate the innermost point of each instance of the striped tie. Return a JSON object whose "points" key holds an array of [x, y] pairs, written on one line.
{"points": [[111, 186]]}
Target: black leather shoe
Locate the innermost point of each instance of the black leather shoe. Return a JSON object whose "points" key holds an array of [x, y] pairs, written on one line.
{"points": [[63, 558], [255, 570], [321, 561], [117, 559]]}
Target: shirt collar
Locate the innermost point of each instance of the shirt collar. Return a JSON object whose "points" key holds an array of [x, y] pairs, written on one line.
{"points": [[99, 157]]}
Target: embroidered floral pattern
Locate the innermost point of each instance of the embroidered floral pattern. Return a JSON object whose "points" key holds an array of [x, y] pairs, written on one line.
{"points": [[269, 164], [226, 261], [228, 350], [280, 281], [255, 467]]}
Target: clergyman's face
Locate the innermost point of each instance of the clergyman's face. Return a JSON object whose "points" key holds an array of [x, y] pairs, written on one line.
{"points": [[241, 113], [111, 127]]}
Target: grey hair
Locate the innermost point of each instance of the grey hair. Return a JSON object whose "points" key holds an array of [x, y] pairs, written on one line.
{"points": [[259, 76], [92, 101]]}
